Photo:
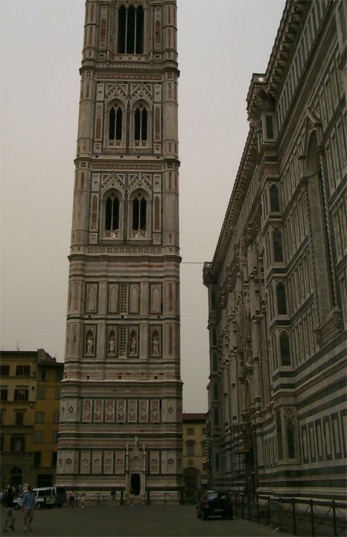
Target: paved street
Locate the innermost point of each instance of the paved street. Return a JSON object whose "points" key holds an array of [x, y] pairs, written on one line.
{"points": [[139, 520]]}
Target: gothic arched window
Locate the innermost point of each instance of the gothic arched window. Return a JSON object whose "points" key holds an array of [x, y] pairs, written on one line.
{"points": [[281, 299], [284, 348], [139, 213], [290, 440], [112, 213], [130, 30], [274, 198], [115, 123], [277, 244], [141, 122], [215, 391]]}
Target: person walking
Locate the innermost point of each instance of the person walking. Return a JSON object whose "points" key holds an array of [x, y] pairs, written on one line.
{"points": [[28, 506], [113, 497], [7, 505], [131, 496]]}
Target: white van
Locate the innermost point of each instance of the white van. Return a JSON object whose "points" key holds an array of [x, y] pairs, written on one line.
{"points": [[44, 497]]}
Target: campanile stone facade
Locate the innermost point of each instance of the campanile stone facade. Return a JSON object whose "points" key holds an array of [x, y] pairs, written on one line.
{"points": [[121, 403]]}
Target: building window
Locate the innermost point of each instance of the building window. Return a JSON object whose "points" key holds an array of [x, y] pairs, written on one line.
{"points": [[43, 375], [19, 418], [274, 199], [190, 448], [214, 362], [41, 393], [215, 391], [281, 299], [112, 213], [37, 459], [23, 371], [141, 122], [279, 435], [5, 370], [115, 123], [39, 417], [216, 417], [56, 417], [18, 443], [38, 437], [290, 440], [190, 431], [3, 394], [269, 127], [139, 213], [214, 337], [277, 244], [130, 30], [284, 348], [58, 375], [213, 300], [21, 394]]}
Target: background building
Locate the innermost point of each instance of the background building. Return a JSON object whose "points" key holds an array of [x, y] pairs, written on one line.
{"points": [[30, 392], [121, 407], [194, 454], [277, 283]]}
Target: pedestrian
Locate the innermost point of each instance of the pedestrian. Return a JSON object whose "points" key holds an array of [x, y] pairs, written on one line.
{"points": [[131, 496], [83, 497], [113, 497], [7, 506], [72, 499], [28, 507]]}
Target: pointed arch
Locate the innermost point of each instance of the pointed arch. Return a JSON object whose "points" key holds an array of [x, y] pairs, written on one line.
{"points": [[274, 199], [130, 29], [141, 124], [284, 348], [277, 244], [139, 221], [248, 400], [115, 122], [281, 299], [112, 214], [291, 440]]}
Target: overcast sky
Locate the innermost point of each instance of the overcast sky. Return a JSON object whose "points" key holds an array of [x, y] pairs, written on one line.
{"points": [[220, 44]]}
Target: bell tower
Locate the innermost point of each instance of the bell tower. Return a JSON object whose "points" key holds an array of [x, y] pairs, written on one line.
{"points": [[121, 397]]}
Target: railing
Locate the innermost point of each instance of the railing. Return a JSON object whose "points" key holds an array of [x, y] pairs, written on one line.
{"points": [[294, 515], [81, 499]]}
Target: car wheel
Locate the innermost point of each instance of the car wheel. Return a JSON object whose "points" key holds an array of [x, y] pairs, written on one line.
{"points": [[16, 506], [38, 506]]}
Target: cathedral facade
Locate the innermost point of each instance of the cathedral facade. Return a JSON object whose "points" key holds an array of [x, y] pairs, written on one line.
{"points": [[277, 283], [121, 400]]}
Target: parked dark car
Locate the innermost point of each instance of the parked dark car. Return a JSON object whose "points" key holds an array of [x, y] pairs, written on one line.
{"points": [[213, 504]]}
